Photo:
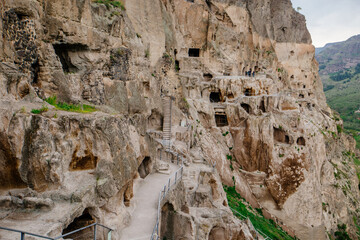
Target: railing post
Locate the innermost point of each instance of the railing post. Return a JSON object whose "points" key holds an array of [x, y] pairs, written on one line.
{"points": [[177, 159], [169, 185], [22, 236], [160, 154], [95, 232], [164, 191], [175, 177]]}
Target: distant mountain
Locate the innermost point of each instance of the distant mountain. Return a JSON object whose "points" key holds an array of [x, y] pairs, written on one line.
{"points": [[320, 49], [339, 56], [339, 65]]}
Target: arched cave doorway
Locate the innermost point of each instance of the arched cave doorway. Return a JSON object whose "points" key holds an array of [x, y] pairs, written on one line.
{"points": [[167, 221], [145, 167], [82, 221]]}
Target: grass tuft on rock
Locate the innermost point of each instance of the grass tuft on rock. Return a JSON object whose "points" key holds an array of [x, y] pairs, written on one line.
{"points": [[108, 3], [79, 108], [39, 111]]}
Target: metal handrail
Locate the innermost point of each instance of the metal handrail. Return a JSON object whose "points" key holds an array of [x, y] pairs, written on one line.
{"points": [[174, 179], [23, 233], [258, 231]]}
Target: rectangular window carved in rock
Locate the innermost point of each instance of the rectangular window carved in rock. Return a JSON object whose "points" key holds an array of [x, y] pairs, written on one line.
{"points": [[194, 52], [221, 120]]}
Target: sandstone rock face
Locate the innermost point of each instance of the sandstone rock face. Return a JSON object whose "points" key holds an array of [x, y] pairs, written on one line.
{"points": [[270, 132]]}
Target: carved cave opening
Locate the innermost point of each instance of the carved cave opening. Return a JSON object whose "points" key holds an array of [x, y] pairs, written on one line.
{"points": [[167, 221], [262, 106], [246, 107], [82, 221], [215, 97], [280, 136], [194, 52], [87, 162], [62, 50], [9, 166], [145, 167], [217, 233], [249, 92], [221, 120], [207, 77], [230, 96], [177, 65], [301, 141], [155, 121], [35, 71]]}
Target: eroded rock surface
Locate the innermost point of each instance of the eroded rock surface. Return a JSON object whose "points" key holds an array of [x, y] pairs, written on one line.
{"points": [[271, 131]]}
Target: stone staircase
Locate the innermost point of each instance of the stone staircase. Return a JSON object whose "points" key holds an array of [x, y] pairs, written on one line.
{"points": [[167, 104]]}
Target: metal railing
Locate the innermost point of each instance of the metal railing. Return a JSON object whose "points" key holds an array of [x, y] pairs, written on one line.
{"points": [[258, 231], [174, 179], [24, 233]]}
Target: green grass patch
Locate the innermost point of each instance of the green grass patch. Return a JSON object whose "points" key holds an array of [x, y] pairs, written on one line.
{"points": [[109, 3], [79, 108], [39, 111], [266, 226]]}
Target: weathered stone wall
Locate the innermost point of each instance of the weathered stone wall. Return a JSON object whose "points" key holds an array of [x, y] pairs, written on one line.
{"points": [[279, 132]]}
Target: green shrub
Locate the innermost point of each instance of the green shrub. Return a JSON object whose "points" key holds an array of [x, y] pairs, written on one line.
{"points": [[80, 108], [109, 3], [339, 128], [41, 110], [341, 233]]}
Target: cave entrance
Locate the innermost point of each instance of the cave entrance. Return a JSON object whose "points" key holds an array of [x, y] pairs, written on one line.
{"points": [[217, 233], [301, 141], [82, 221], [167, 221], [177, 66], [246, 107], [249, 92], [280, 136], [221, 120], [145, 167], [87, 162], [207, 77], [9, 166], [194, 52], [215, 97], [230, 96], [155, 121], [262, 106], [62, 51]]}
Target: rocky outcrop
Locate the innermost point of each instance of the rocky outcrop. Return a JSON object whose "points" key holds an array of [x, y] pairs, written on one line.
{"points": [[270, 132]]}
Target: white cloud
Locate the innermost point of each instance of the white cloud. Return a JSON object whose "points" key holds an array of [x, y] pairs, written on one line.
{"points": [[330, 20]]}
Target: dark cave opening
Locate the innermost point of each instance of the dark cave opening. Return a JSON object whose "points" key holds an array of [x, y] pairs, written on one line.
{"points": [[221, 120], [145, 167], [62, 51], [215, 97], [82, 221], [194, 52]]}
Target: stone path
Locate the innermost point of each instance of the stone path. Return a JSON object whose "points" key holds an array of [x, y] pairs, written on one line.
{"points": [[144, 205]]}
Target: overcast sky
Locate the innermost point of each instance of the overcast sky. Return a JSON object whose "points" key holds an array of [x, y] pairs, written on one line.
{"points": [[330, 20]]}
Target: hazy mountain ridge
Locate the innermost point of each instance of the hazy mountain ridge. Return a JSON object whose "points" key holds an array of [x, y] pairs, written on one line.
{"points": [[334, 57], [339, 65]]}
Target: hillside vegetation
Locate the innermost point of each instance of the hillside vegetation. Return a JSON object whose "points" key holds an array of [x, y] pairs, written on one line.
{"points": [[339, 66]]}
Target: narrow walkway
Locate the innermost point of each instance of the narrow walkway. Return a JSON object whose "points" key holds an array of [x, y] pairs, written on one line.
{"points": [[144, 204]]}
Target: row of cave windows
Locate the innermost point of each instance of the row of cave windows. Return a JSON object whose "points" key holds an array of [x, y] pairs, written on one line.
{"points": [[279, 134], [216, 97]]}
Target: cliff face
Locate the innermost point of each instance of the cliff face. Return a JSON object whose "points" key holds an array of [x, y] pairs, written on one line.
{"points": [[287, 156]]}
